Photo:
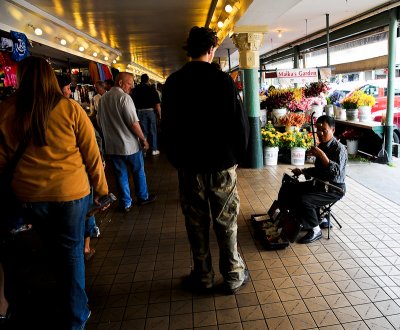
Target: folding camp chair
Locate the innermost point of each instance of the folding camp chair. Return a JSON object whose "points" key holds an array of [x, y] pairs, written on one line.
{"points": [[326, 211]]}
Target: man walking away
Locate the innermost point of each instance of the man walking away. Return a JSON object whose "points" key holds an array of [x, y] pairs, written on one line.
{"points": [[119, 124], [205, 140], [147, 101]]}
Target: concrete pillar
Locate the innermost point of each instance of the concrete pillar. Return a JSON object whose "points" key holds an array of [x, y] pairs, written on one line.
{"points": [[249, 44]]}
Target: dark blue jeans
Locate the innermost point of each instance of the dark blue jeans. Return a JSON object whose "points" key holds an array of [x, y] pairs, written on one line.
{"points": [[61, 226], [148, 123], [121, 168]]}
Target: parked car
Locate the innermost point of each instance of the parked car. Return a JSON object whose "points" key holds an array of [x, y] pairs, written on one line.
{"points": [[378, 89]]}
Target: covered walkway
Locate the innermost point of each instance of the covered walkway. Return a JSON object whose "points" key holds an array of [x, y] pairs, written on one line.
{"points": [[351, 281]]}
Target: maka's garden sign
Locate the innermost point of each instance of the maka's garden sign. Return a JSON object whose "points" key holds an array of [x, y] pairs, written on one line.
{"points": [[302, 76]]}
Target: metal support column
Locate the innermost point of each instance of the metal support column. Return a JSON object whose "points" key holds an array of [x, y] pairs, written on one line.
{"points": [[328, 61], [391, 75]]}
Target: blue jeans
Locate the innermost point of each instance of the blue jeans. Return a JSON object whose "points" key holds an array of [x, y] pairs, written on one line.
{"points": [[61, 226], [148, 123], [90, 224], [121, 170]]}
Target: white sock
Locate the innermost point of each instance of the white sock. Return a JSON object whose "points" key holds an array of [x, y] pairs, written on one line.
{"points": [[316, 229]]}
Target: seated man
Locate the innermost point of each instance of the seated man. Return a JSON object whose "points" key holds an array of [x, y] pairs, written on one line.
{"points": [[305, 198]]}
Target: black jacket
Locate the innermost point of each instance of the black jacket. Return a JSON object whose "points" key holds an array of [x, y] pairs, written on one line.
{"points": [[204, 125]]}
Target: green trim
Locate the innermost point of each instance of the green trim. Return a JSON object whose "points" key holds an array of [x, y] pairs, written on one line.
{"points": [[252, 106]]}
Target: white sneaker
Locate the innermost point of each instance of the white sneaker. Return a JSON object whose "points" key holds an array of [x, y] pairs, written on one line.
{"points": [[155, 152]]}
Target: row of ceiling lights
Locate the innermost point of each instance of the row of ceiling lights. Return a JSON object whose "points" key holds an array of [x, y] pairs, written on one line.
{"points": [[224, 16], [38, 31]]}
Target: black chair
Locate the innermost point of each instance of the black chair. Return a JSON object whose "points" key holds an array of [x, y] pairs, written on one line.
{"points": [[326, 212]]}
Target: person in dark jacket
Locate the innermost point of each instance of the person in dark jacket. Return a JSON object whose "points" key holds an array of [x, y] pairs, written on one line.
{"points": [[305, 198], [147, 102], [206, 133]]}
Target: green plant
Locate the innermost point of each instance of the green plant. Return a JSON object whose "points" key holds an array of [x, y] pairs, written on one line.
{"points": [[295, 139], [270, 136], [328, 100]]}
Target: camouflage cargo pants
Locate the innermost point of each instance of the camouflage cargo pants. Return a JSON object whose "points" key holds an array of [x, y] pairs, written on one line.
{"points": [[206, 196]]}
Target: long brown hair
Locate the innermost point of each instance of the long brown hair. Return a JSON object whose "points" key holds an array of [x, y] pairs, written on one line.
{"points": [[37, 94]]}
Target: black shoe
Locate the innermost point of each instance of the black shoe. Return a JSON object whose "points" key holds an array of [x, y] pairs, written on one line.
{"points": [[192, 283], [150, 199], [310, 237], [127, 209], [325, 224], [237, 289]]}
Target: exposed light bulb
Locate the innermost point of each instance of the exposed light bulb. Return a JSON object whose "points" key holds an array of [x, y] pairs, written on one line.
{"points": [[38, 31], [63, 42], [114, 61], [81, 48], [279, 34], [105, 58], [94, 54], [220, 24], [228, 8]]}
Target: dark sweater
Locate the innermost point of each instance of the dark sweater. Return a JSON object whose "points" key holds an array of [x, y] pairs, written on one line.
{"points": [[204, 125]]}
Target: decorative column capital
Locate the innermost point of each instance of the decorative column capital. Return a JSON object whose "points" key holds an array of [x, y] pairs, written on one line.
{"points": [[248, 45]]}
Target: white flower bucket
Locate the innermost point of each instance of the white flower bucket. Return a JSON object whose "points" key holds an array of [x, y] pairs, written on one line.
{"points": [[277, 114], [365, 112], [352, 114], [297, 156], [340, 113], [271, 155], [352, 147], [318, 109], [329, 110]]}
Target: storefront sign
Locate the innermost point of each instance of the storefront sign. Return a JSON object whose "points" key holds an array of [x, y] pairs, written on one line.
{"points": [[300, 76]]}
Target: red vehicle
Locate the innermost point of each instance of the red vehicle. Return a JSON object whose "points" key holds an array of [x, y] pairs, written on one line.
{"points": [[378, 111]]}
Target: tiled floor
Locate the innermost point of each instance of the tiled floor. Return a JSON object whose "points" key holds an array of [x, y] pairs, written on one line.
{"points": [[351, 281]]}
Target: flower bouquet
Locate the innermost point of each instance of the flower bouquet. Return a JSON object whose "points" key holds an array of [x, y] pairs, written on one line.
{"points": [[364, 99], [279, 98], [349, 102], [270, 136], [351, 134], [293, 119], [295, 139], [316, 89]]}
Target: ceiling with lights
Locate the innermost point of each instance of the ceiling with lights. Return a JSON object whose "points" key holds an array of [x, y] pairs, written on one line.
{"points": [[148, 36]]}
